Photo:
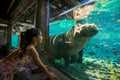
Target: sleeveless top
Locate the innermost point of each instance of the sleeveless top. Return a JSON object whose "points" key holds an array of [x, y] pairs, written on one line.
{"points": [[11, 63]]}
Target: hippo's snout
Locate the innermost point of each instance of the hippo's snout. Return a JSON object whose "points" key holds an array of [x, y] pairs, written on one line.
{"points": [[88, 30]]}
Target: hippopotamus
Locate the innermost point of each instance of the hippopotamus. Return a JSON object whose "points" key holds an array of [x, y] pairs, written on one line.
{"points": [[70, 43]]}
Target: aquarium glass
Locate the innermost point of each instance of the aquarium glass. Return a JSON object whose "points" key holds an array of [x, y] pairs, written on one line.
{"points": [[100, 59], [15, 40], [101, 55]]}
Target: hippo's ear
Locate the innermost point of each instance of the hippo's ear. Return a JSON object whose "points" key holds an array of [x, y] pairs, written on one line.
{"points": [[69, 36]]}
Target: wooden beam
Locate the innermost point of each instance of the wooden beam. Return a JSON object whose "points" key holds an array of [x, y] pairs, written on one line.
{"points": [[56, 5], [56, 12], [30, 15], [72, 2], [24, 25], [54, 1], [9, 34], [20, 10], [25, 21], [30, 12], [10, 6], [3, 28], [42, 21], [3, 21]]}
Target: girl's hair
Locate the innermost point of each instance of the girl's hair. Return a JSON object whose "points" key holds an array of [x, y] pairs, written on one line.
{"points": [[26, 38]]}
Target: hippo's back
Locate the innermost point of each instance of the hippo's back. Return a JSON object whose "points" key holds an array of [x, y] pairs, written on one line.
{"points": [[56, 43]]}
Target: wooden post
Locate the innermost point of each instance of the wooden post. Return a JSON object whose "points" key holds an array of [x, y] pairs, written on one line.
{"points": [[9, 35], [42, 22]]}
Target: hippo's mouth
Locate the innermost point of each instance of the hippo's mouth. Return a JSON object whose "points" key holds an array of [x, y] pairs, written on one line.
{"points": [[88, 30]]}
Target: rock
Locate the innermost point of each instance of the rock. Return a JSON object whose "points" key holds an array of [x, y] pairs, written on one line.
{"points": [[106, 67], [109, 76], [91, 78], [106, 73], [94, 72], [102, 69], [100, 72], [94, 76], [32, 72]]}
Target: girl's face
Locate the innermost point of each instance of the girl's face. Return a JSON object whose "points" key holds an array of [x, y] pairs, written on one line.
{"points": [[39, 38]]}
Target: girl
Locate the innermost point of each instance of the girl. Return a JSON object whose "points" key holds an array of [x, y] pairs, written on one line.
{"points": [[22, 56]]}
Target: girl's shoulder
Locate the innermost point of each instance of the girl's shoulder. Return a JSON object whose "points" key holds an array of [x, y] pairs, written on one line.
{"points": [[30, 47]]}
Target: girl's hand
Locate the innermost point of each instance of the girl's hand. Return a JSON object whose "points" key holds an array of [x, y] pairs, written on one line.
{"points": [[46, 66], [52, 76]]}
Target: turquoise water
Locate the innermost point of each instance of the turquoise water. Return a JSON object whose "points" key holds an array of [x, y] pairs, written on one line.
{"points": [[109, 34], [61, 26], [106, 18], [15, 40], [105, 44]]}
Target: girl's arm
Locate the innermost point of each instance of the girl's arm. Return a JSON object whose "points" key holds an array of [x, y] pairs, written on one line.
{"points": [[35, 56]]}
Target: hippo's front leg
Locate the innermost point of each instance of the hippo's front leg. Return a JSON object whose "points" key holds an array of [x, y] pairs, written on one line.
{"points": [[77, 58], [66, 58], [74, 58], [66, 55], [80, 58]]}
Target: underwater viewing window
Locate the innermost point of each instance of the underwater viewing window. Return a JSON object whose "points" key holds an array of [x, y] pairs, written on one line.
{"points": [[15, 40], [99, 59]]}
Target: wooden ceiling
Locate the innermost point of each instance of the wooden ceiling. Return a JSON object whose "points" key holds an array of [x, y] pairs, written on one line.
{"points": [[12, 11], [56, 7]]}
